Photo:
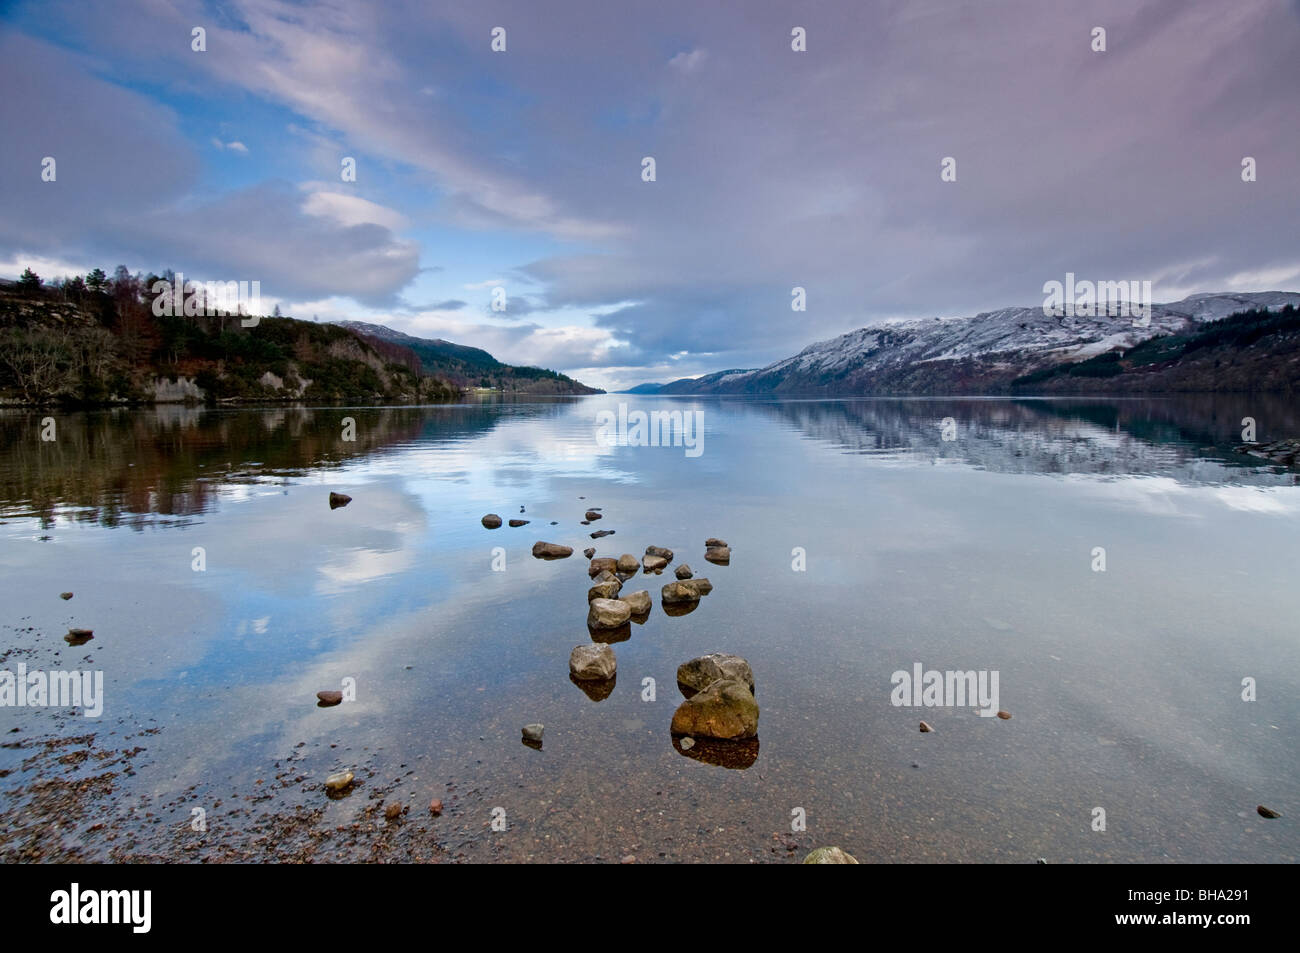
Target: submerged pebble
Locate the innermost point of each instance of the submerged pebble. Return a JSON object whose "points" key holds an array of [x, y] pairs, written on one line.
{"points": [[533, 733], [65, 595], [925, 726], [339, 499], [339, 781], [1267, 812]]}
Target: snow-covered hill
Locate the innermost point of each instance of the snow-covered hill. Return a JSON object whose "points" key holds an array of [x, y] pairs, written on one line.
{"points": [[967, 355]]}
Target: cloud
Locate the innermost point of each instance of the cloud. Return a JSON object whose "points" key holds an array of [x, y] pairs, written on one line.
{"points": [[688, 62], [775, 168], [234, 146]]}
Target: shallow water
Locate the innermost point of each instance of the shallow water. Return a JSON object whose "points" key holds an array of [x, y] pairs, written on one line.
{"points": [[975, 553]]}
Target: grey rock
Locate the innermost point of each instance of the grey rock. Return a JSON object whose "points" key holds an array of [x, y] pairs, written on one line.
{"points": [[592, 662], [607, 613]]}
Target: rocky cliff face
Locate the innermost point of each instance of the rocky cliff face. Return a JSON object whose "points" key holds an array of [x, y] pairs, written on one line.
{"points": [[976, 355]]}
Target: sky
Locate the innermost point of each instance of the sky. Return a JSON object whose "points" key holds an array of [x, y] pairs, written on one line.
{"points": [[775, 168]]}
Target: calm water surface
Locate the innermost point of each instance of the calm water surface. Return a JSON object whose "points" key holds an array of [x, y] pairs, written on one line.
{"points": [[970, 554]]}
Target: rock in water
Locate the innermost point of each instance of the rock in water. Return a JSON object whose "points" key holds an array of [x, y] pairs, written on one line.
{"points": [[675, 593], [435, 807], [602, 564], [592, 515], [65, 596], [79, 636], [551, 551], [926, 727], [1268, 812], [606, 586], [829, 855], [339, 781], [519, 522], [339, 499], [330, 698], [627, 563], [686, 590], [589, 551], [659, 551], [1004, 715], [492, 521], [602, 532], [639, 601], [724, 710], [713, 542], [533, 733], [718, 554], [608, 613], [683, 571], [392, 810], [592, 663], [655, 564], [699, 673]]}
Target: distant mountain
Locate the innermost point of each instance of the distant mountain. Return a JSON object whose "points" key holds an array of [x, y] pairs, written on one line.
{"points": [[991, 352], [472, 366], [715, 383], [651, 388]]}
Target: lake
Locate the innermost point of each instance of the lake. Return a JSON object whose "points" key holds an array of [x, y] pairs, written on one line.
{"points": [[1119, 567]]}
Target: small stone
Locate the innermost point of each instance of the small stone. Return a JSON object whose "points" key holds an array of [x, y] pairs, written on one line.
{"points": [[592, 515], [79, 636], [701, 672], [713, 541], [627, 563], [339, 499], [830, 855], [683, 571], [1268, 812], [339, 781], [1004, 715], [629, 859], [602, 532], [533, 733], [1042, 860], [551, 551], [492, 521], [926, 727], [592, 663], [330, 698], [718, 554], [655, 564], [639, 601], [435, 807], [659, 551], [607, 613], [602, 564], [392, 810], [606, 586], [688, 743], [589, 551], [519, 522], [65, 595], [725, 710]]}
